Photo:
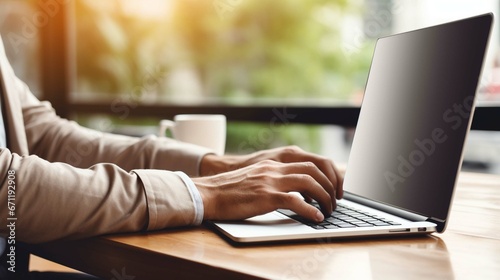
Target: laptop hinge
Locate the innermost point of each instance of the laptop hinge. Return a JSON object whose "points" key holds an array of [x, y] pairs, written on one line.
{"points": [[441, 224], [386, 208]]}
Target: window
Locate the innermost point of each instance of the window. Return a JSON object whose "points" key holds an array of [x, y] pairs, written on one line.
{"points": [[114, 65], [222, 51]]}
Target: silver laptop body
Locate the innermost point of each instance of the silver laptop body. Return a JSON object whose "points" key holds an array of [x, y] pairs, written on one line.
{"points": [[408, 145]]}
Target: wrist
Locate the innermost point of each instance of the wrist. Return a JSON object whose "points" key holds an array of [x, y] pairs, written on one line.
{"points": [[207, 164], [212, 164]]}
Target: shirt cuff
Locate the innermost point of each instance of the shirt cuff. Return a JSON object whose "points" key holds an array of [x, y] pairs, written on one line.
{"points": [[195, 196]]}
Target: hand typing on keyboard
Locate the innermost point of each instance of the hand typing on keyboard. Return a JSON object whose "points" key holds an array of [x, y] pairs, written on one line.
{"points": [[246, 186]]}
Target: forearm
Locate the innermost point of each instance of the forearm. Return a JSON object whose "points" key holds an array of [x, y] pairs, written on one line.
{"points": [[57, 201], [59, 140]]}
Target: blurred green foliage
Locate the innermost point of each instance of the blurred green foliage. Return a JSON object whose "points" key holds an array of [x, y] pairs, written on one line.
{"points": [[239, 51]]}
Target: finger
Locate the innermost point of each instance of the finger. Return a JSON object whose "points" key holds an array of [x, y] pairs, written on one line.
{"points": [[295, 154], [309, 187], [334, 175], [306, 198], [297, 205], [326, 176], [310, 168], [328, 168], [303, 177]]}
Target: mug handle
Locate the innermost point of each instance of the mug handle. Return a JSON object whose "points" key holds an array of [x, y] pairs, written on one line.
{"points": [[164, 126]]}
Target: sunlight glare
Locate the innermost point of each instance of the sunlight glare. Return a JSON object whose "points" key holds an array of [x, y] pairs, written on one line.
{"points": [[147, 8]]}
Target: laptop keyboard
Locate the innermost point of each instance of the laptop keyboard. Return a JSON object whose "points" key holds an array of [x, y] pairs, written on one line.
{"points": [[343, 217]]}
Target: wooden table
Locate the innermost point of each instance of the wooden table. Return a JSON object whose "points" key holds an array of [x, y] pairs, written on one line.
{"points": [[469, 249]]}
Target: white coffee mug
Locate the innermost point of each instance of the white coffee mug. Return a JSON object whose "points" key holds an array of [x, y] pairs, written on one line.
{"points": [[203, 130]]}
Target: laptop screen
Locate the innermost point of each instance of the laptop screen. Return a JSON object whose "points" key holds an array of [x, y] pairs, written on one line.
{"points": [[415, 116]]}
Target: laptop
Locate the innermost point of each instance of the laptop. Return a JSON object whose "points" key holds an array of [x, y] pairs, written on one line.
{"points": [[408, 144]]}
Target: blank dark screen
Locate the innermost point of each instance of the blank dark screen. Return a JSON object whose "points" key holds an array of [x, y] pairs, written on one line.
{"points": [[415, 116]]}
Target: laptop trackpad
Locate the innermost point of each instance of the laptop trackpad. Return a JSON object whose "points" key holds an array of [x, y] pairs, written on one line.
{"points": [[273, 218], [270, 224]]}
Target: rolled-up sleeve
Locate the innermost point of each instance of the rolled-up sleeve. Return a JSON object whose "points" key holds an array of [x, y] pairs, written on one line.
{"points": [[169, 200], [58, 201]]}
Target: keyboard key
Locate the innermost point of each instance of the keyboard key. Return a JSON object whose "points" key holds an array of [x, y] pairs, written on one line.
{"points": [[345, 225], [331, 227], [317, 226], [380, 223], [364, 225]]}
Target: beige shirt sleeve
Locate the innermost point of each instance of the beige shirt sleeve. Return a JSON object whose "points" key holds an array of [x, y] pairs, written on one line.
{"points": [[73, 182]]}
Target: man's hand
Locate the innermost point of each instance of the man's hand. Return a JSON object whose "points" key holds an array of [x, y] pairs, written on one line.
{"points": [[213, 164], [238, 187], [265, 186]]}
